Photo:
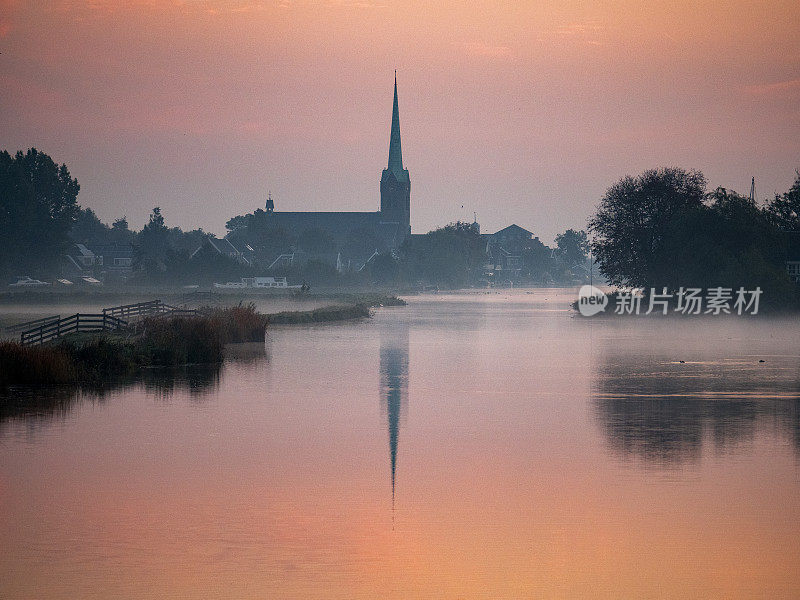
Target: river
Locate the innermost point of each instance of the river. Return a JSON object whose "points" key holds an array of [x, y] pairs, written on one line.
{"points": [[473, 445]]}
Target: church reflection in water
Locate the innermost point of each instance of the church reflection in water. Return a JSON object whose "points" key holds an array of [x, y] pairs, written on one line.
{"points": [[394, 387]]}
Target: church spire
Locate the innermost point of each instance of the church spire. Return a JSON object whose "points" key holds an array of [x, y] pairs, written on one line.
{"points": [[395, 153]]}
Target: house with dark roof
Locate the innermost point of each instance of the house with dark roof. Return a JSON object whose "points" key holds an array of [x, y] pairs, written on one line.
{"points": [[214, 246], [101, 261], [116, 260], [504, 250], [78, 261]]}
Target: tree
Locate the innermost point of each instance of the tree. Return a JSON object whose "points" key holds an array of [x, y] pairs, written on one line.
{"points": [[152, 245], [38, 206], [728, 242], [633, 217], [384, 268], [784, 210], [120, 232], [239, 222], [88, 228], [572, 247], [452, 255], [537, 258]]}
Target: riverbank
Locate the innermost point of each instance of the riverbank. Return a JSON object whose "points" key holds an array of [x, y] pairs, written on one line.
{"points": [[158, 342], [152, 342]]}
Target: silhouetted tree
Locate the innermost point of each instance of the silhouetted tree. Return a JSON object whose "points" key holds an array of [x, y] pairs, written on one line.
{"points": [[452, 255], [88, 228], [384, 268], [727, 242], [38, 206], [572, 247], [120, 232], [632, 219], [785, 209], [537, 259]]}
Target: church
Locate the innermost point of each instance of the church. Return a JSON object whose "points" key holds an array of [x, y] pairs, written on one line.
{"points": [[390, 225]]}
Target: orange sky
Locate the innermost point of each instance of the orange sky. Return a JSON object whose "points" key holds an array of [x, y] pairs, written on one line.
{"points": [[524, 112]]}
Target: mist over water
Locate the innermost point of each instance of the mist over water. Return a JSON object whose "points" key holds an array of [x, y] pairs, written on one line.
{"points": [[475, 445]]}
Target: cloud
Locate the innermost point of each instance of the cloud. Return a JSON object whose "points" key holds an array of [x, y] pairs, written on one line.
{"points": [[580, 29], [489, 50], [356, 4], [7, 8], [789, 87], [585, 32]]}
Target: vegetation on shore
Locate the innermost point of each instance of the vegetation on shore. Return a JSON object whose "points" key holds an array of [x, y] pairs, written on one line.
{"points": [[663, 230], [357, 310], [320, 315], [238, 324], [153, 342]]}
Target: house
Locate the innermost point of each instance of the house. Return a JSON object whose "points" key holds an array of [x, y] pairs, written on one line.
{"points": [[299, 258], [113, 261], [79, 261], [504, 250], [100, 261], [214, 246]]}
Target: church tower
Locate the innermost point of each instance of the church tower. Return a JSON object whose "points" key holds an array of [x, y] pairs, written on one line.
{"points": [[395, 182]]}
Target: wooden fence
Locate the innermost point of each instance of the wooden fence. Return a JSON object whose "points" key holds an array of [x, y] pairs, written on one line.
{"points": [[111, 319], [152, 308], [31, 324], [72, 324]]}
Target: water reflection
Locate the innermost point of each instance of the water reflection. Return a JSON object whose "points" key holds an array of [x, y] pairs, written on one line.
{"points": [[665, 412], [394, 387], [39, 406]]}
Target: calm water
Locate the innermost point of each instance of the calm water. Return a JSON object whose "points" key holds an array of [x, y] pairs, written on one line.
{"points": [[465, 446]]}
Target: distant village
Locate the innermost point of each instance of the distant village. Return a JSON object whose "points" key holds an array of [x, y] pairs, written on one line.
{"points": [[270, 248], [662, 227], [512, 256]]}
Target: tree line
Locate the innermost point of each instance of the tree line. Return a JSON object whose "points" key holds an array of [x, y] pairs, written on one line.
{"points": [[40, 219], [664, 229]]}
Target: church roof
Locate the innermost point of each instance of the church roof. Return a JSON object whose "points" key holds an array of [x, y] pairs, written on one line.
{"points": [[513, 228], [338, 223], [395, 149]]}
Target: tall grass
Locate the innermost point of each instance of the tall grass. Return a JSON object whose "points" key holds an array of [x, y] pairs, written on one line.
{"points": [[156, 342], [239, 323], [179, 341], [34, 364]]}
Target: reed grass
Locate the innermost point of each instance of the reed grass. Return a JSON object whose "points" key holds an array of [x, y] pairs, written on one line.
{"points": [[320, 315], [92, 358], [239, 323], [34, 364]]}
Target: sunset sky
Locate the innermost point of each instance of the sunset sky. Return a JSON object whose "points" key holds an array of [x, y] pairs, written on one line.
{"points": [[521, 112]]}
